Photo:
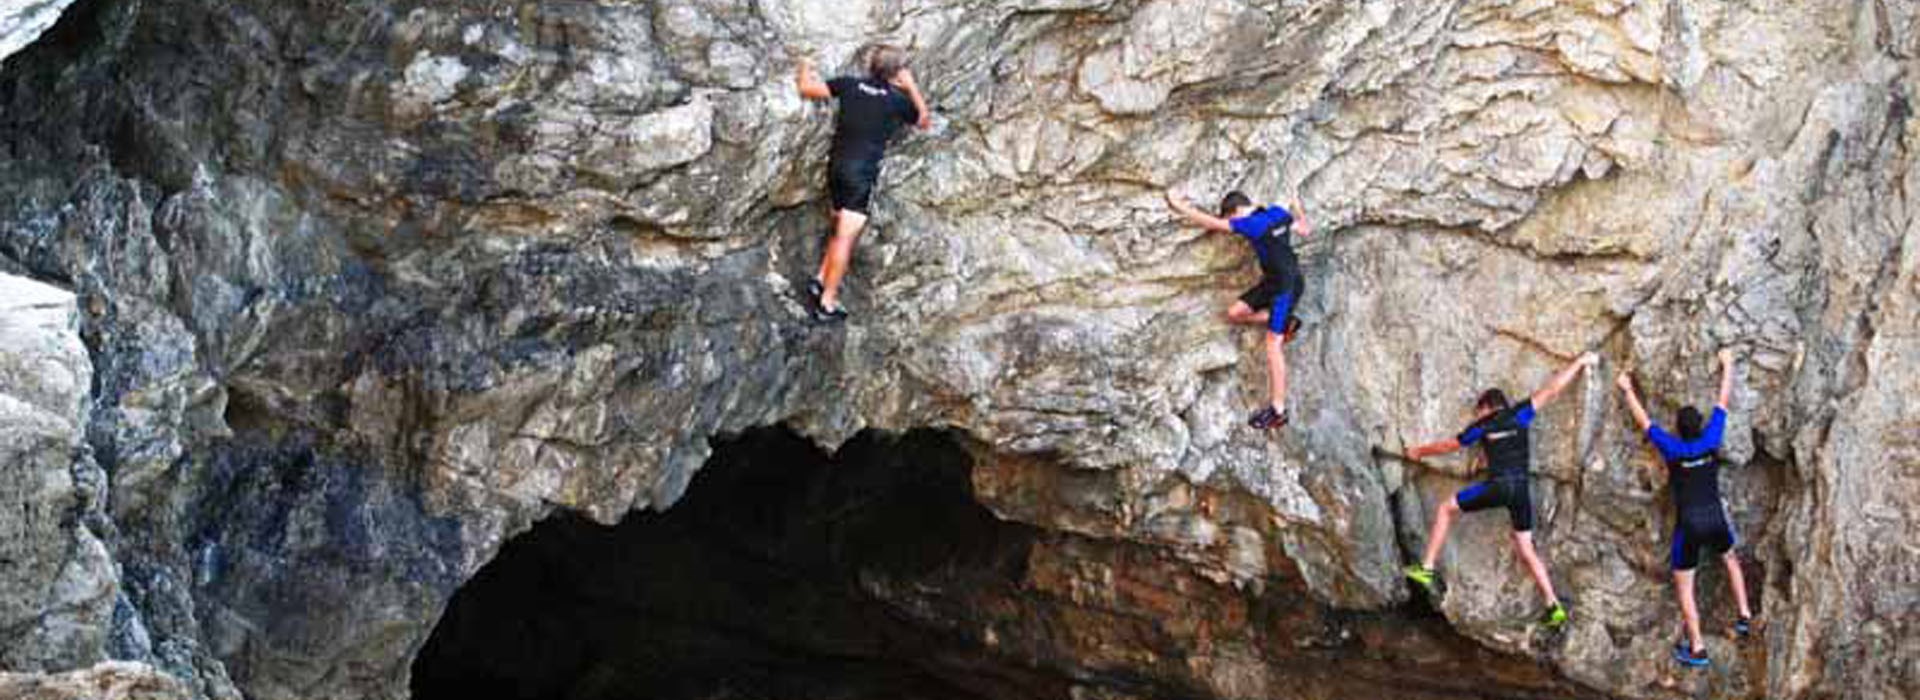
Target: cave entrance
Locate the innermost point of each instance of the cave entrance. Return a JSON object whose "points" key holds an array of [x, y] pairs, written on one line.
{"points": [[783, 573]]}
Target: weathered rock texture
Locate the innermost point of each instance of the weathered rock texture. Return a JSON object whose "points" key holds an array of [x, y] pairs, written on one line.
{"points": [[370, 287], [113, 680], [58, 577]]}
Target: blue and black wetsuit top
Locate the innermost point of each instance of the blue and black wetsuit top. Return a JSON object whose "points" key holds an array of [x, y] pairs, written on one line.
{"points": [[1270, 231], [1693, 469], [1504, 437]]}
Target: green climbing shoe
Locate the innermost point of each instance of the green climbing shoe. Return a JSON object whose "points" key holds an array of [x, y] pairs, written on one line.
{"points": [[1555, 617], [1425, 577]]}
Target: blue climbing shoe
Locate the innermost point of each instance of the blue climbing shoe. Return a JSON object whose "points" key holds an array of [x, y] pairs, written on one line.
{"points": [[1690, 658]]}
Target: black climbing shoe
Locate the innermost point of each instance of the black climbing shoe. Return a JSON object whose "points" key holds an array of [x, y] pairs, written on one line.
{"points": [[1267, 419], [1689, 658], [1292, 327], [814, 289], [1743, 627], [822, 314]]}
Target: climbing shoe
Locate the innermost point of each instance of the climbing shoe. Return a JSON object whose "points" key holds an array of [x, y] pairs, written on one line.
{"points": [[1267, 419], [1427, 579], [1689, 658], [814, 289], [1743, 627], [836, 314], [1292, 327], [1555, 617]]}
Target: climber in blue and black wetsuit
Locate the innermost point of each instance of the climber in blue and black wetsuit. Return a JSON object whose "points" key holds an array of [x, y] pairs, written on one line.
{"points": [[1700, 518], [872, 109], [1271, 302], [1501, 430]]}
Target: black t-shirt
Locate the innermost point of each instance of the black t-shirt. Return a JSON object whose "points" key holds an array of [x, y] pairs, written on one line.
{"points": [[1505, 438], [870, 112]]}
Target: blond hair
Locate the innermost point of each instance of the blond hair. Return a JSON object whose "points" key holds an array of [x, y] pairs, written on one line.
{"points": [[885, 61]]}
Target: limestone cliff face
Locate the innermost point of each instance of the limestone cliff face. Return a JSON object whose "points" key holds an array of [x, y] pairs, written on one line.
{"points": [[58, 576], [371, 287], [22, 21]]}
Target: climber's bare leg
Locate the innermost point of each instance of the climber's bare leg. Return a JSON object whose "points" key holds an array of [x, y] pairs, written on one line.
{"points": [[1689, 612], [1738, 579], [846, 230], [833, 225], [1240, 314], [1277, 370], [1437, 535], [1523, 544]]}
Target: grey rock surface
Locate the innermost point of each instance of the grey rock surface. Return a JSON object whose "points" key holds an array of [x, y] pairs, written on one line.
{"points": [[58, 576], [371, 287], [113, 680]]}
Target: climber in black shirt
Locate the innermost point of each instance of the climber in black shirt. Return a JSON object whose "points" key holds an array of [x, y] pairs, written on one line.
{"points": [[1700, 519], [872, 108], [1502, 432]]}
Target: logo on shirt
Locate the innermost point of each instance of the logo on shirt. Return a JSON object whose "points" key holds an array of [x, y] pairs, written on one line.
{"points": [[874, 91], [1695, 463], [1502, 435]]}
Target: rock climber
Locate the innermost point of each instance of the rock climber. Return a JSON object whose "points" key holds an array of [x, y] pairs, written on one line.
{"points": [[1700, 518], [872, 108], [1271, 302], [1501, 431]]}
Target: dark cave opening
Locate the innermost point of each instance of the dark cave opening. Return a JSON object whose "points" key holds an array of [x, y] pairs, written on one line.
{"points": [[783, 573]]}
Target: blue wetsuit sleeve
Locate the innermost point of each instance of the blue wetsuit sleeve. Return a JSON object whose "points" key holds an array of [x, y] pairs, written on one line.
{"points": [[1668, 445], [1716, 429], [840, 86], [1248, 226], [1261, 223], [1472, 435], [1524, 415]]}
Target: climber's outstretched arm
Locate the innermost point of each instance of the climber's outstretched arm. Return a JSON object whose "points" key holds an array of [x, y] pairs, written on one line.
{"points": [[1184, 207], [1301, 227], [1433, 449], [1409, 458], [1633, 402], [1552, 390], [923, 118], [809, 82]]}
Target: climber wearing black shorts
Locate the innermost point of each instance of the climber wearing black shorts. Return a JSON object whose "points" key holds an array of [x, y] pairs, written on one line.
{"points": [[1270, 230], [1502, 432], [1505, 435], [1277, 295], [872, 109], [1700, 522]]}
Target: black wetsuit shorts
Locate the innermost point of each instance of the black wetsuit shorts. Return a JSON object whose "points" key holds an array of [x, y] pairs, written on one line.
{"points": [[1514, 494]]}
